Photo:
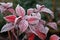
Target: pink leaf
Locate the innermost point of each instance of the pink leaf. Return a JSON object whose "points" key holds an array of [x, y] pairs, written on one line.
{"points": [[46, 30], [54, 37], [37, 14], [42, 8], [30, 11], [47, 11], [42, 22], [7, 5], [17, 20], [20, 11], [7, 27], [37, 32], [2, 9], [42, 28], [11, 10], [52, 25], [23, 25], [10, 18], [39, 7], [33, 19]]}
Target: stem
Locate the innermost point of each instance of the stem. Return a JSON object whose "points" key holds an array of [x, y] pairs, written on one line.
{"points": [[17, 32], [9, 35], [14, 34], [25, 37], [49, 19]]}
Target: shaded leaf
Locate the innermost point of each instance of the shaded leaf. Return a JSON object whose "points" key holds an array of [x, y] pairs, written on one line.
{"points": [[7, 5], [11, 10], [42, 22], [48, 11], [7, 27], [2, 9], [52, 25]]}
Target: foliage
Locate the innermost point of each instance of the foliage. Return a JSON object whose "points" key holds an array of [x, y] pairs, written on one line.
{"points": [[31, 19]]}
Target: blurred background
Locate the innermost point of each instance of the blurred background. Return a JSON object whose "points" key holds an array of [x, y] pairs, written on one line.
{"points": [[54, 5]]}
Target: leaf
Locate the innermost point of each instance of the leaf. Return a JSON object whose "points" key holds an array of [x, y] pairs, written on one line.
{"points": [[2, 9], [37, 14], [20, 11], [31, 36], [46, 30], [7, 5], [39, 7], [52, 25], [23, 25], [11, 10], [54, 37], [36, 31], [42, 8], [10, 18], [48, 11], [33, 19], [7, 27], [42, 28], [17, 20], [42, 22], [30, 11]]}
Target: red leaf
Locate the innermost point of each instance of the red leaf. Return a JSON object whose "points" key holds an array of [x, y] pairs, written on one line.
{"points": [[54, 37], [37, 32], [33, 19], [10, 18], [31, 36]]}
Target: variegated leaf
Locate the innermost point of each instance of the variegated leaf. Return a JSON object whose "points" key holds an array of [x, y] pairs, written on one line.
{"points": [[20, 10], [36, 31], [52, 25], [23, 25], [7, 27], [30, 11], [54, 37], [10, 18]]}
